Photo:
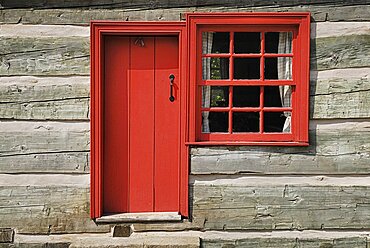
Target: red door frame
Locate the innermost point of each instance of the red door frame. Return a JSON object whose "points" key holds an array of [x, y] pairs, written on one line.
{"points": [[99, 29]]}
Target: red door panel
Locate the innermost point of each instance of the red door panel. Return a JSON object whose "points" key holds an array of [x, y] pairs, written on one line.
{"points": [[115, 132], [141, 145], [141, 125], [166, 173]]}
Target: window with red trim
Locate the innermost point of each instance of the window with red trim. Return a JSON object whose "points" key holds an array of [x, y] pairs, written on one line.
{"points": [[250, 76]]}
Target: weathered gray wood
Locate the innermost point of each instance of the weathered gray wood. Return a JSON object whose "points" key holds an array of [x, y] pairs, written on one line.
{"points": [[142, 4], [46, 204], [340, 52], [44, 98], [25, 138], [331, 89], [84, 16], [342, 148], [59, 162], [248, 203], [44, 56], [44, 147], [70, 109], [282, 239], [6, 235]]}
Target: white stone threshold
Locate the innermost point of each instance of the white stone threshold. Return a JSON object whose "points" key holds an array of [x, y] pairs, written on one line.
{"points": [[139, 217]]}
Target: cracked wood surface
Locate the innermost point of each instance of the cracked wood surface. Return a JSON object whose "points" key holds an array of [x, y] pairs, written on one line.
{"points": [[44, 147], [154, 4], [44, 98], [68, 16], [284, 203], [47, 209], [335, 148]]}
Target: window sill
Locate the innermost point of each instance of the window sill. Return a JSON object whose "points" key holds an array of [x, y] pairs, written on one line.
{"points": [[246, 143], [139, 217]]}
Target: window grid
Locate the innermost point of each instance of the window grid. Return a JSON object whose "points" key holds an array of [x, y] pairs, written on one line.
{"points": [[231, 82]]}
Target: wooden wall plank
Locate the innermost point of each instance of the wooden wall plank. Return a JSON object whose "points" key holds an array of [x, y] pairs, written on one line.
{"points": [[44, 56], [142, 4], [340, 52], [44, 207], [330, 89], [84, 16], [60, 162], [335, 148], [307, 239], [18, 137], [44, 98], [276, 203]]}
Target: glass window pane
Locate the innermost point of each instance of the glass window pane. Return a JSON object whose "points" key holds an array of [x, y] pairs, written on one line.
{"points": [[247, 42], [246, 68], [246, 96], [215, 122], [278, 96], [215, 42], [278, 68], [276, 122], [246, 121], [278, 42], [215, 96], [215, 68]]}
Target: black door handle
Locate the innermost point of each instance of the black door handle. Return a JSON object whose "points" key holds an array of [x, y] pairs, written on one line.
{"points": [[172, 77]]}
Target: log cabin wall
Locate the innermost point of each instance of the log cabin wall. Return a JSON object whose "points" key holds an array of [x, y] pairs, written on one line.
{"points": [[236, 193]]}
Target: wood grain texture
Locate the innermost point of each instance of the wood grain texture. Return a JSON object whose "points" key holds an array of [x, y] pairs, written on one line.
{"points": [[335, 148], [23, 138], [142, 4], [47, 209], [330, 89], [340, 52], [258, 203], [319, 13], [44, 56], [286, 240], [44, 147], [44, 162], [44, 98]]}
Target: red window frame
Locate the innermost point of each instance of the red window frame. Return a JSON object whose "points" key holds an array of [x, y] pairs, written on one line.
{"points": [[299, 24]]}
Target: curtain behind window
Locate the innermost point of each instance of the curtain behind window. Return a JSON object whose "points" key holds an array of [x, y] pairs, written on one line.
{"points": [[207, 39], [285, 72]]}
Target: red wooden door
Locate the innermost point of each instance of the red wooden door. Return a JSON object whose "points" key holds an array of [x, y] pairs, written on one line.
{"points": [[141, 126]]}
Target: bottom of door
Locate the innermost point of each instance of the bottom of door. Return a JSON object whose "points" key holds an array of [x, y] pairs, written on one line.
{"points": [[139, 217]]}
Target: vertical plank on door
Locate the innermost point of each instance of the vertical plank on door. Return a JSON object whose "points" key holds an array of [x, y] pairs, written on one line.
{"points": [[166, 170], [141, 124], [115, 134]]}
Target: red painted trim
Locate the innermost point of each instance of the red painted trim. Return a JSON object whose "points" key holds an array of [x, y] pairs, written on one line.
{"points": [[299, 24], [98, 30]]}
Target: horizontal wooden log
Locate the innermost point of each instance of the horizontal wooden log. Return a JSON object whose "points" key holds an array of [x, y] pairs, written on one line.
{"points": [[266, 203], [41, 204], [44, 98], [24, 138], [335, 148], [330, 89], [84, 16], [309, 239], [141, 4], [340, 52], [59, 162], [44, 56], [44, 147]]}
